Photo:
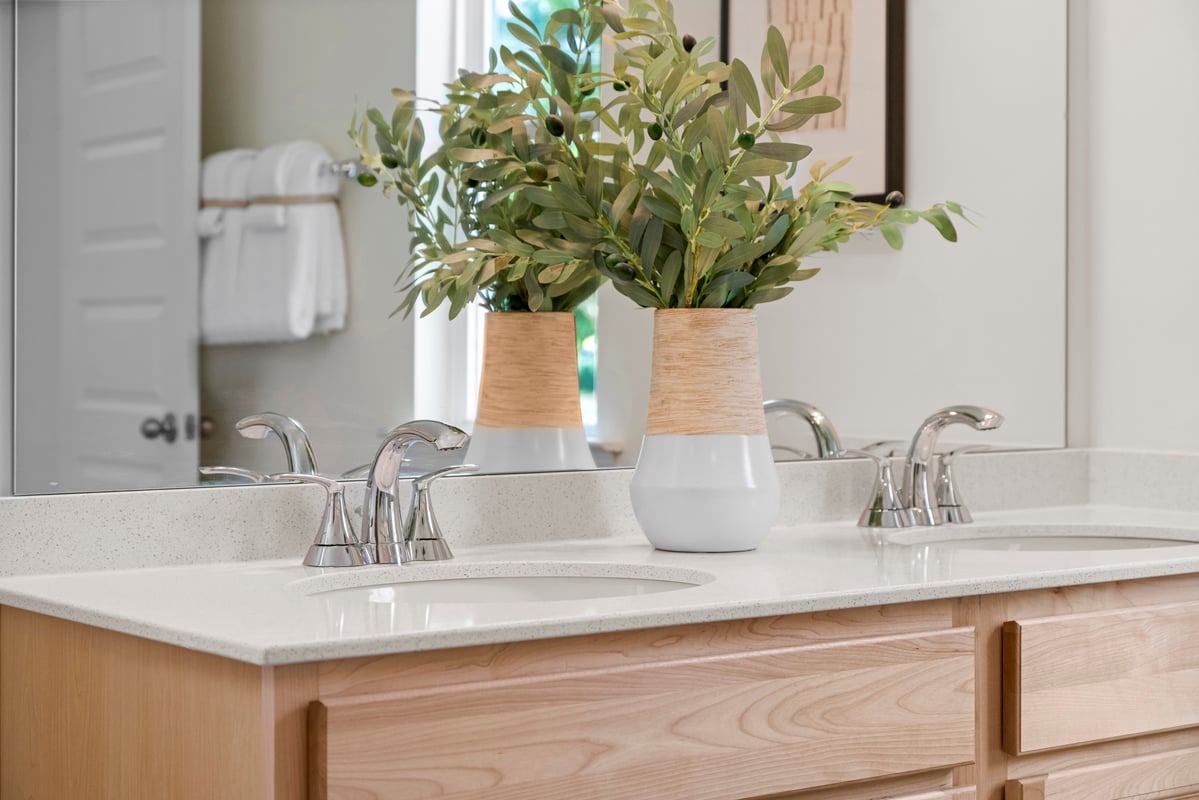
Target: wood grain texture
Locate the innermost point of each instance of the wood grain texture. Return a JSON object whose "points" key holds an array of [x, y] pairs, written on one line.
{"points": [[1027, 789], [89, 713], [1013, 688], [1102, 596], [1161, 776], [1101, 675], [530, 371], [635, 649], [705, 377], [318, 746], [1102, 753], [288, 691], [924, 786], [990, 768], [712, 727]]}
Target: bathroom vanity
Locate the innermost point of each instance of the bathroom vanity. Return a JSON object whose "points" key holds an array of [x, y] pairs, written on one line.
{"points": [[832, 663], [1085, 692]]}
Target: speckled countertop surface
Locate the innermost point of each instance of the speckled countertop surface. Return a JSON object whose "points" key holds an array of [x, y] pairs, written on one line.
{"points": [[278, 612]]}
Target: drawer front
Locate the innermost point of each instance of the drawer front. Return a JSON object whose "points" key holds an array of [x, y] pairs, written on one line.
{"points": [[1172, 775], [848, 793], [708, 728], [1083, 678]]}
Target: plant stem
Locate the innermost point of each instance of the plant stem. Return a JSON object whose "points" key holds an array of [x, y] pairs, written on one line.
{"points": [[759, 129]]}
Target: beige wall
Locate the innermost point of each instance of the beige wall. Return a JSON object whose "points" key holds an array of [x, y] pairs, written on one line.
{"points": [[278, 70]]}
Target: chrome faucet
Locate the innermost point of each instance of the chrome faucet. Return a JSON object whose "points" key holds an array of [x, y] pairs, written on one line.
{"points": [[381, 524], [919, 482], [828, 444], [300, 458]]}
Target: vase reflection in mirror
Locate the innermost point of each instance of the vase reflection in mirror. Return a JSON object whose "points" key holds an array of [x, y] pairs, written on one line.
{"points": [[705, 480], [529, 417]]}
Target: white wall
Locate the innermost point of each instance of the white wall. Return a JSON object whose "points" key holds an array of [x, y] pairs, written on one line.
{"points": [[278, 70], [880, 339], [7, 12], [1139, 367]]}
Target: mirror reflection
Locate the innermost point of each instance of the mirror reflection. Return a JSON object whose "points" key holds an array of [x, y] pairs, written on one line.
{"points": [[152, 126]]}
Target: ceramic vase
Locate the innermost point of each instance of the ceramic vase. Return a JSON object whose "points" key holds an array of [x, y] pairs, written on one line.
{"points": [[705, 479], [529, 418]]}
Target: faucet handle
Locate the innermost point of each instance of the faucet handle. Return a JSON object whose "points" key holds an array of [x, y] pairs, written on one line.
{"points": [[948, 495], [884, 509], [253, 476], [336, 544], [422, 539]]}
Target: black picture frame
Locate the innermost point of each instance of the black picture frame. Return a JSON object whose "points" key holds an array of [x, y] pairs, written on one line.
{"points": [[895, 84]]}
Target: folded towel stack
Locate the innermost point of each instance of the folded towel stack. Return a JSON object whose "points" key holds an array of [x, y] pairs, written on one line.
{"points": [[272, 249]]}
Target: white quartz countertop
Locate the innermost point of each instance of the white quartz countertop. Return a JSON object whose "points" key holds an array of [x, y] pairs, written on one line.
{"points": [[280, 612]]}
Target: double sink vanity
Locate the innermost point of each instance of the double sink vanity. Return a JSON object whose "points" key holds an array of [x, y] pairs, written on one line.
{"points": [[1048, 650]]}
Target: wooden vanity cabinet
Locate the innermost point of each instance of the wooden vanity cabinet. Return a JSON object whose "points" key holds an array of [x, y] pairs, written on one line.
{"points": [[703, 712], [1068, 694], [880, 698], [1099, 691]]}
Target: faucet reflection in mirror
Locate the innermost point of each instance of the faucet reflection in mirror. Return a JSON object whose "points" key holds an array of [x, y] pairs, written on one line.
{"points": [[828, 443], [297, 448]]}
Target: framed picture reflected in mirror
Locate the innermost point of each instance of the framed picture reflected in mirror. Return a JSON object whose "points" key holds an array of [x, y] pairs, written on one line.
{"points": [[860, 43]]}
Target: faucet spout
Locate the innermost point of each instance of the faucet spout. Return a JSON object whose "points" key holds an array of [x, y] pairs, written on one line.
{"points": [[919, 493], [380, 519]]}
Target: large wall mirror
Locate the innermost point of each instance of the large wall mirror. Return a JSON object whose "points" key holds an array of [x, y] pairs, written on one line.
{"points": [[118, 101]]}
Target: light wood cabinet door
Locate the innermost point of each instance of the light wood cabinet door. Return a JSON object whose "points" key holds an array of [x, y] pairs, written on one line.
{"points": [[1081, 678], [1173, 775], [761, 718]]}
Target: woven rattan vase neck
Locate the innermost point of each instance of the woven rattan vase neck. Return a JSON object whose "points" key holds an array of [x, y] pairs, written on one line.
{"points": [[706, 378], [530, 371]]}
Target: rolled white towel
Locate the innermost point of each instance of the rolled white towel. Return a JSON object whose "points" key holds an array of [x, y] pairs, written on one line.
{"points": [[277, 290], [315, 231], [210, 222], [332, 298], [223, 186], [291, 280]]}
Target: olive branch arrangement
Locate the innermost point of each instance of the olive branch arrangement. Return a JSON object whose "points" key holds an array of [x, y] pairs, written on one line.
{"points": [[665, 175]]}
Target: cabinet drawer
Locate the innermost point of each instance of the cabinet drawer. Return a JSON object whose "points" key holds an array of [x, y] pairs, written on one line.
{"points": [[697, 728], [1172, 775], [1083, 678], [860, 793]]}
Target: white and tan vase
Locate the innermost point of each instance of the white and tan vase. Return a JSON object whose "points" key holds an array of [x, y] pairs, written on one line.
{"points": [[705, 479], [529, 417]]}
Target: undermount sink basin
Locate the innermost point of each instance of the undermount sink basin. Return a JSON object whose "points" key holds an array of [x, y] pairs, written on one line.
{"points": [[535, 582], [1048, 538]]}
